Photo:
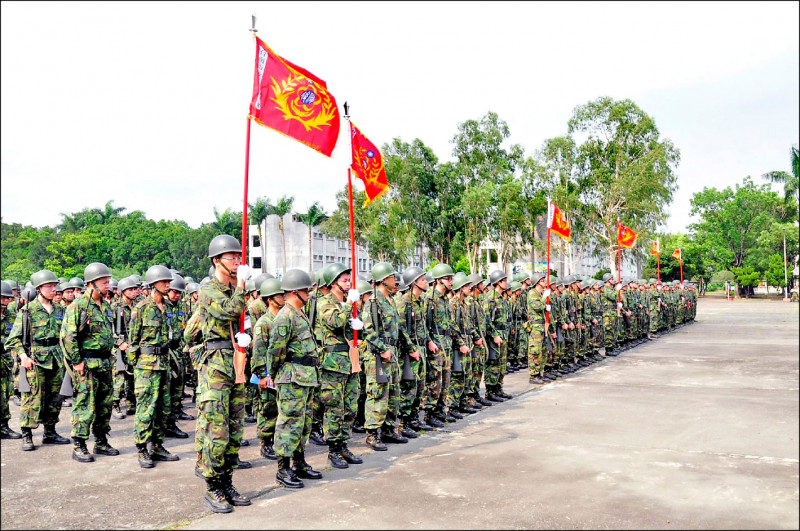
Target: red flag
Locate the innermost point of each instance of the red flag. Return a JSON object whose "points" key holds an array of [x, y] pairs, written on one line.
{"points": [[677, 255], [625, 236], [293, 101], [656, 249], [368, 165], [556, 221]]}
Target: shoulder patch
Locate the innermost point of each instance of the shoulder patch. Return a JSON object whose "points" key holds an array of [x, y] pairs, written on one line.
{"points": [[283, 330]]}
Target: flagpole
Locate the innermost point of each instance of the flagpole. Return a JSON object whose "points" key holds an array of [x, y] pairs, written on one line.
{"points": [[619, 267], [353, 268], [658, 261], [681, 263]]}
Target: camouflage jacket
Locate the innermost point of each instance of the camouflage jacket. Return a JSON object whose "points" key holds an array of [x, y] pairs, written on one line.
{"points": [[88, 332], [292, 349], [439, 317], [382, 328], [261, 333], [466, 334], [42, 336], [150, 329], [6, 324], [496, 309], [535, 310], [609, 299], [332, 331], [220, 309], [477, 316], [255, 309], [122, 320], [412, 316]]}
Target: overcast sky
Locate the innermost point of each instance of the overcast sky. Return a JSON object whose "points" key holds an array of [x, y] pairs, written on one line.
{"points": [[145, 104]]}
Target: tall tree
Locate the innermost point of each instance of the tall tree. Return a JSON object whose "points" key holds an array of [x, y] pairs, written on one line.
{"points": [[312, 218], [283, 207], [258, 213], [790, 181], [228, 222], [625, 171]]}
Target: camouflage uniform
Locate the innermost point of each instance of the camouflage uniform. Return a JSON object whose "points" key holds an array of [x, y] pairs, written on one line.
{"points": [[463, 336], [412, 314], [535, 327], [478, 320], [265, 405], [150, 334], [440, 326], [521, 318], [43, 403], [177, 324], [610, 316], [496, 310], [220, 401], [293, 353], [87, 334], [123, 379], [6, 365]]}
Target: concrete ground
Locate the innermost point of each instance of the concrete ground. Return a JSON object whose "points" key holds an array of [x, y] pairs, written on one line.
{"points": [[697, 429]]}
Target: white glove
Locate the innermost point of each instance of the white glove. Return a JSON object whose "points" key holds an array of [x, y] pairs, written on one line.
{"points": [[546, 293], [247, 323], [356, 323], [352, 296], [619, 305], [243, 339], [243, 273], [618, 287], [547, 307], [658, 287]]}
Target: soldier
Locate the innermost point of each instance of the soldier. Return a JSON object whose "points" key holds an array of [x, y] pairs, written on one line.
{"points": [[67, 293], [78, 287], [294, 361], [498, 317], [478, 319], [318, 290], [439, 318], [123, 374], [7, 318], [610, 314], [339, 382], [177, 321], [386, 339], [265, 404], [150, 335], [221, 381], [87, 336], [463, 342], [34, 340], [536, 306]]}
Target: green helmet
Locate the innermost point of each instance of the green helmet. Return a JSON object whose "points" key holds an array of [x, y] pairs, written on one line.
{"points": [[5, 289], [521, 276], [536, 277], [441, 271], [127, 283], [332, 272], [28, 293], [188, 280], [136, 279], [363, 287], [496, 276], [178, 284], [607, 277], [475, 279], [224, 243], [316, 276], [260, 279], [295, 280], [14, 284], [76, 282], [250, 285], [192, 287], [429, 277], [381, 270], [651, 281], [96, 270], [270, 287], [113, 283], [64, 286], [43, 277], [366, 277], [459, 280], [156, 273], [598, 284], [411, 274]]}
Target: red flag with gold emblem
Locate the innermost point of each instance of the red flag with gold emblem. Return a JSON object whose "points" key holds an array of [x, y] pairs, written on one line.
{"points": [[293, 101], [556, 221], [625, 236], [368, 165], [656, 249], [676, 254]]}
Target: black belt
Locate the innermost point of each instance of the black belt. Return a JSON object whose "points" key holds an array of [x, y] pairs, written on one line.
{"points": [[308, 361], [342, 347], [536, 322], [49, 342], [152, 350], [219, 345], [100, 354]]}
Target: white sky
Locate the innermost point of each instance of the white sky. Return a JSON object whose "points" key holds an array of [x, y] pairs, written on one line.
{"points": [[146, 103]]}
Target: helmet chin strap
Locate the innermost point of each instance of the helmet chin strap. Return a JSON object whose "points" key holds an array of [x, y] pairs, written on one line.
{"points": [[230, 273]]}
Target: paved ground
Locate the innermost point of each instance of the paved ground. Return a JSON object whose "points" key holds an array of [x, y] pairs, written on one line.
{"points": [[698, 429]]}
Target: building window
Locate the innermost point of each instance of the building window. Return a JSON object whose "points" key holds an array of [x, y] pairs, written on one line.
{"points": [[256, 241], [317, 235], [318, 257], [256, 262], [329, 258]]}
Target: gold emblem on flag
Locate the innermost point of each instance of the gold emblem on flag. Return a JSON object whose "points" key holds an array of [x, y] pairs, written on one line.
{"points": [[298, 98]]}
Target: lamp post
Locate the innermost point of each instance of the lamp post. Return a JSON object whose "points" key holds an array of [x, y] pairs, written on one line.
{"points": [[785, 274]]}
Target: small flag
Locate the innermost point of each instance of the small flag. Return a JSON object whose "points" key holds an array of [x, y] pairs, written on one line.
{"points": [[625, 236], [293, 101], [677, 255], [656, 249], [368, 165], [556, 221]]}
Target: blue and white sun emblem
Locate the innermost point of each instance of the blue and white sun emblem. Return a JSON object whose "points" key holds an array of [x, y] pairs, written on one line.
{"points": [[308, 97], [370, 153]]}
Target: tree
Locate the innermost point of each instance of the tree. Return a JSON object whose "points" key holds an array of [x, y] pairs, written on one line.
{"points": [[774, 273], [312, 218], [258, 213], [791, 187], [109, 212], [228, 222], [625, 171], [283, 207]]}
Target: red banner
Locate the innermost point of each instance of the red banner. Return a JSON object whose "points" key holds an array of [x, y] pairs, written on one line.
{"points": [[677, 255], [368, 165], [556, 221], [293, 101], [656, 249], [625, 236]]}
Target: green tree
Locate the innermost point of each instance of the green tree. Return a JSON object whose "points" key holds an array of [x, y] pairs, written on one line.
{"points": [[791, 187], [282, 207], [312, 218], [774, 273], [228, 222], [258, 213]]}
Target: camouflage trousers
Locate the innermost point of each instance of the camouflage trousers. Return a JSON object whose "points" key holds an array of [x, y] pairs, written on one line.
{"points": [[434, 369], [6, 390], [43, 404], [493, 374], [478, 365], [220, 422], [610, 328], [91, 402], [338, 393], [317, 408], [412, 391], [522, 346], [536, 360], [265, 405], [383, 400], [152, 404], [456, 393], [124, 386], [175, 391], [293, 425]]}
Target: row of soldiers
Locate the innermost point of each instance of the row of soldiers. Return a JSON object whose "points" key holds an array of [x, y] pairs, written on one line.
{"points": [[321, 354]]}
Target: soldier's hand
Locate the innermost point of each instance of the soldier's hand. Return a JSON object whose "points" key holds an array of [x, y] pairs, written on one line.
{"points": [[464, 349], [26, 362], [479, 342], [124, 346], [415, 355], [498, 340], [432, 347], [552, 335], [564, 326], [266, 383], [387, 355], [594, 321], [79, 367], [571, 326]]}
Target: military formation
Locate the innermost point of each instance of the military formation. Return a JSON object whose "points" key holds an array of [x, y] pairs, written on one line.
{"points": [[310, 357]]}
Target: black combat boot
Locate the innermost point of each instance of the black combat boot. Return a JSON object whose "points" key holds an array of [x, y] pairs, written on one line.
{"points": [[52, 437], [27, 440], [392, 435], [144, 456], [116, 412], [453, 412], [159, 453], [267, 451], [230, 492], [503, 394], [373, 440], [335, 456], [131, 409], [431, 420], [303, 469], [101, 446], [79, 451], [239, 464], [349, 456], [8, 433], [483, 401], [406, 430], [358, 427], [182, 415], [316, 435], [286, 475], [248, 414], [215, 497], [175, 432]]}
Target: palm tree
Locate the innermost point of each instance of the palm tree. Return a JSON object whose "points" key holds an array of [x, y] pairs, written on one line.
{"points": [[789, 180], [283, 207], [109, 212], [312, 218], [258, 213], [227, 222]]}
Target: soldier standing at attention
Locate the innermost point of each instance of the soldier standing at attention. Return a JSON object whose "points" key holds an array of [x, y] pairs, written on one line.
{"points": [[294, 357], [535, 315], [497, 311], [87, 335], [440, 326], [221, 380], [7, 318], [123, 379]]}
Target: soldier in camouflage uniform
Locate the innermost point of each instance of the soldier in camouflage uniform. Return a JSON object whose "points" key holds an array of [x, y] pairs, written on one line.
{"points": [[87, 336], [221, 380], [34, 340], [497, 310], [7, 318], [295, 358], [534, 328], [478, 319], [439, 318], [610, 315], [123, 377], [177, 320], [463, 343]]}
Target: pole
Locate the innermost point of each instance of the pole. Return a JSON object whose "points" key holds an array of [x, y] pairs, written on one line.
{"points": [[619, 267], [354, 265], [681, 263], [785, 273], [658, 265], [547, 275]]}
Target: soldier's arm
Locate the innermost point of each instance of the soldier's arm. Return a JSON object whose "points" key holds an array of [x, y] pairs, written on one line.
{"points": [[258, 362], [279, 336], [372, 329], [135, 334], [220, 307], [14, 339], [69, 335], [334, 316]]}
